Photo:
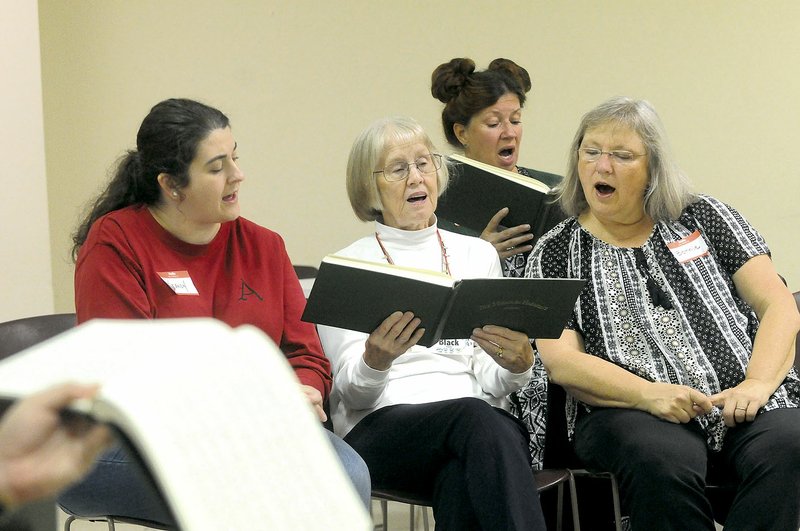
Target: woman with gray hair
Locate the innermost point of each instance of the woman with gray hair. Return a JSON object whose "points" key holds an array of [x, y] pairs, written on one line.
{"points": [[678, 356], [433, 420]]}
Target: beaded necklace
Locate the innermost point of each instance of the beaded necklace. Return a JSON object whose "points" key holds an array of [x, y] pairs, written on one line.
{"points": [[445, 263]]}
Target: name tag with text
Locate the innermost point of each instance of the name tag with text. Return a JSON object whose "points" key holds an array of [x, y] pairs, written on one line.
{"points": [[179, 281], [689, 248]]}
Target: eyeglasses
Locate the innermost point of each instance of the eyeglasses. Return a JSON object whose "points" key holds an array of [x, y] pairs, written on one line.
{"points": [[400, 170], [617, 156]]}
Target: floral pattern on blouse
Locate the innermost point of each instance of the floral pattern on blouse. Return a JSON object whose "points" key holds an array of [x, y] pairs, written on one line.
{"points": [[704, 340]]}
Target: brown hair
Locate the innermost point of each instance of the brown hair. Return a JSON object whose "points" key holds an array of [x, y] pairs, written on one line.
{"points": [[166, 143], [466, 92]]}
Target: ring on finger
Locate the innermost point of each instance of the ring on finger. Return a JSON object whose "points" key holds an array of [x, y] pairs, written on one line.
{"points": [[500, 352], [740, 409]]}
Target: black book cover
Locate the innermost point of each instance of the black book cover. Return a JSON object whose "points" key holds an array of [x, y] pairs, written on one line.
{"points": [[358, 295], [477, 191], [539, 307]]}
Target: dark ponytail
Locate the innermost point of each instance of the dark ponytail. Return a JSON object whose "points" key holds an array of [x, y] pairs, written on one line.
{"points": [[166, 143]]}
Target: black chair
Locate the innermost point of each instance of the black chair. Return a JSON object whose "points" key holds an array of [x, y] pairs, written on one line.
{"points": [[20, 334], [306, 275], [304, 271], [558, 453], [386, 495], [545, 480], [17, 335], [111, 520]]}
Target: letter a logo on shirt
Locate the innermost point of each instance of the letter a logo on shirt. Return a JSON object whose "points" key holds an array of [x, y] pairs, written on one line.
{"points": [[247, 291]]}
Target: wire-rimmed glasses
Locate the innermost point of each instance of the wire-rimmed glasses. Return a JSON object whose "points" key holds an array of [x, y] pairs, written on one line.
{"points": [[400, 170], [618, 156]]}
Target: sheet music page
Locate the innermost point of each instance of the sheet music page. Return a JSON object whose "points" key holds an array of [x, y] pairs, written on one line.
{"points": [[217, 414]]}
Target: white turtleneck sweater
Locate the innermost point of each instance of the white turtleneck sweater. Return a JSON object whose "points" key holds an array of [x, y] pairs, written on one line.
{"points": [[449, 369]]}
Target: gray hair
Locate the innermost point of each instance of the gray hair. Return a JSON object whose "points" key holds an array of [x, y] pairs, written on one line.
{"points": [[668, 191], [367, 155]]}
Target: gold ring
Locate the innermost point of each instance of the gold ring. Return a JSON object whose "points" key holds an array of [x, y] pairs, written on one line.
{"points": [[500, 353], [740, 408]]}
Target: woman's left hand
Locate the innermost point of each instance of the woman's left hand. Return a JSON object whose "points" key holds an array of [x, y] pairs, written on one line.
{"points": [[508, 241], [741, 403], [510, 349], [315, 399]]}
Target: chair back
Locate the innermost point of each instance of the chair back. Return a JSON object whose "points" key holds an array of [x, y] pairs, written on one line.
{"points": [[15, 336], [306, 275], [20, 334], [304, 271]]}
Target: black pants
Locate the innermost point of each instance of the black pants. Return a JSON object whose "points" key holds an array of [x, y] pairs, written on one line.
{"points": [[470, 457], [661, 468]]}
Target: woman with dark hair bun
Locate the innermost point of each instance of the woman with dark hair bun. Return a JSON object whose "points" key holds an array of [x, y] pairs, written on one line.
{"points": [[483, 117], [165, 239]]}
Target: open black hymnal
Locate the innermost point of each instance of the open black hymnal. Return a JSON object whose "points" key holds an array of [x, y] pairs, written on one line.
{"points": [[477, 191], [358, 295]]}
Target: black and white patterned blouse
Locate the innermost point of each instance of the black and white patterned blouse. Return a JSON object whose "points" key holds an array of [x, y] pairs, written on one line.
{"points": [[702, 332]]}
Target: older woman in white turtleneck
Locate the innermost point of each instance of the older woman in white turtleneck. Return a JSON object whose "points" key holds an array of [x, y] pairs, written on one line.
{"points": [[429, 420]]}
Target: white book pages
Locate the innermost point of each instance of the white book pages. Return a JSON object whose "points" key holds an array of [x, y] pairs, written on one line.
{"points": [[216, 413], [423, 275]]}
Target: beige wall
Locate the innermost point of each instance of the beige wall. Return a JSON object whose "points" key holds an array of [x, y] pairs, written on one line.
{"points": [[26, 286], [299, 79]]}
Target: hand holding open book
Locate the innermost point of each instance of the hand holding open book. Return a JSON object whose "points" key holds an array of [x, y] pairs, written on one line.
{"points": [[358, 295], [215, 413], [477, 191]]}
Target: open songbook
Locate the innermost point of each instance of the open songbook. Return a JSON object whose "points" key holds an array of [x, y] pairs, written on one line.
{"points": [[358, 295], [477, 191], [216, 414]]}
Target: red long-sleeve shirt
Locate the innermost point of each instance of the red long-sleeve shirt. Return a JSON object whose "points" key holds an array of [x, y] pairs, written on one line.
{"points": [[243, 276]]}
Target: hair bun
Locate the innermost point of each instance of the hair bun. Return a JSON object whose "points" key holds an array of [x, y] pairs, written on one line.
{"points": [[514, 70], [449, 78]]}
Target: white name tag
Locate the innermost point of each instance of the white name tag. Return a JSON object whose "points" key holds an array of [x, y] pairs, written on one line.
{"points": [[179, 281], [450, 346], [688, 248]]}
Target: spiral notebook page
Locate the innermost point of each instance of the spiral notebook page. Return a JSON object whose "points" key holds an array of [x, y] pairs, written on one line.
{"points": [[215, 412]]}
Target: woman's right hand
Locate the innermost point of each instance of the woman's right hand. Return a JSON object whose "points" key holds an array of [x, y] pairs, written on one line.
{"points": [[674, 403], [40, 454], [507, 242], [395, 335]]}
